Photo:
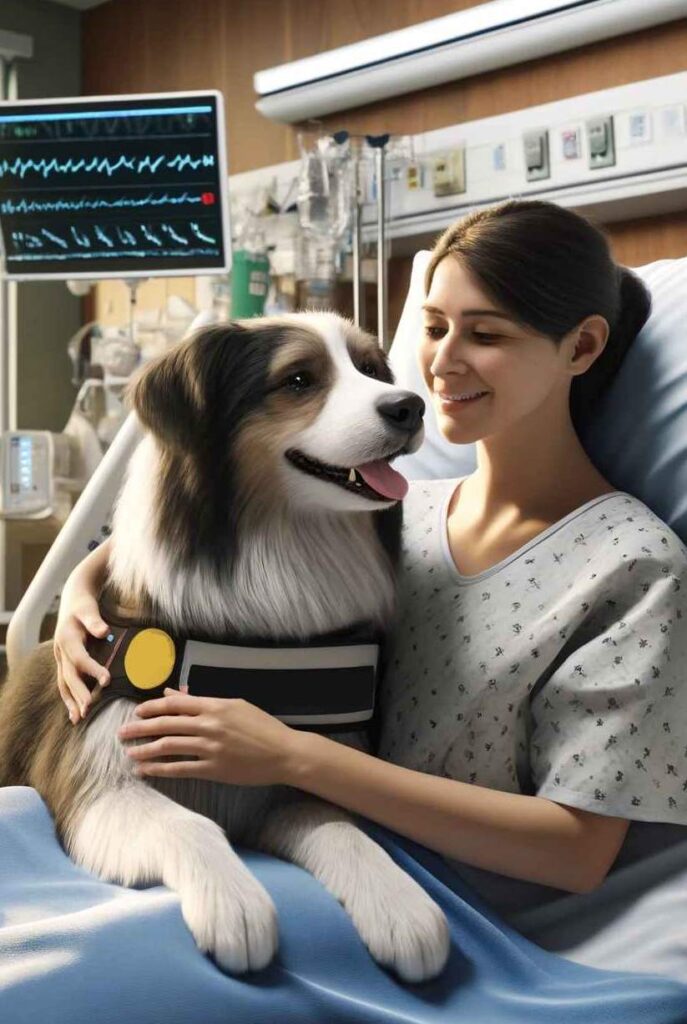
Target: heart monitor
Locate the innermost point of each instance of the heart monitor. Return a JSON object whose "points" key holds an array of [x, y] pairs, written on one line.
{"points": [[114, 186]]}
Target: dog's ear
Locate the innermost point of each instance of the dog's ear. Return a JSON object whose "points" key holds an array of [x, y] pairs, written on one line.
{"points": [[162, 395], [173, 395]]}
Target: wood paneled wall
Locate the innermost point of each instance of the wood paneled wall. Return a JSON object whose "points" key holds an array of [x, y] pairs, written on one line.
{"points": [[149, 45]]}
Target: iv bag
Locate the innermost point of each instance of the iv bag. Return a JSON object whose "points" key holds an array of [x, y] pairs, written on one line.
{"points": [[324, 189]]}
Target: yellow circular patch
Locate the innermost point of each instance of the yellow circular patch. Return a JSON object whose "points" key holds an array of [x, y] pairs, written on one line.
{"points": [[149, 659]]}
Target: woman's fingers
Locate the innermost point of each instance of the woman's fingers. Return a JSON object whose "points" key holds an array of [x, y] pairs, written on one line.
{"points": [[72, 646], [73, 658], [168, 746], [77, 688], [174, 702], [64, 692], [175, 769], [93, 623], [177, 725]]}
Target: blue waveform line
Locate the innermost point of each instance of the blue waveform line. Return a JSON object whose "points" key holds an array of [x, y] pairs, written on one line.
{"points": [[125, 236], [81, 238], [150, 236], [9, 206], [112, 254], [103, 165], [100, 234], [55, 238], [173, 234], [199, 234]]}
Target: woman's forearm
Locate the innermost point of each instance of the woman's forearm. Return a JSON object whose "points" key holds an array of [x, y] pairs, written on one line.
{"points": [[524, 837], [91, 571]]}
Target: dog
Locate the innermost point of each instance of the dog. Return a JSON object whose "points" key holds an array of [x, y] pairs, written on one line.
{"points": [[260, 501]]}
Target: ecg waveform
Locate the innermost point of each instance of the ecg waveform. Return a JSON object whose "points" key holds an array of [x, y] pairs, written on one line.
{"points": [[9, 206], [104, 165], [157, 235]]}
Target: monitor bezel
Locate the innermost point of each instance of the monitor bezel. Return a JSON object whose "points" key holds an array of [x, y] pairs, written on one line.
{"points": [[139, 274]]}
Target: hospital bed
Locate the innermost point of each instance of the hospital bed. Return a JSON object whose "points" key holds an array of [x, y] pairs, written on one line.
{"points": [[60, 926]]}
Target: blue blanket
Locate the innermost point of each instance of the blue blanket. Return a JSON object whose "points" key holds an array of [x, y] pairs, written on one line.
{"points": [[75, 950]]}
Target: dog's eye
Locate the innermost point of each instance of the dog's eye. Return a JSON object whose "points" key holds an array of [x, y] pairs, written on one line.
{"points": [[298, 382], [369, 369]]}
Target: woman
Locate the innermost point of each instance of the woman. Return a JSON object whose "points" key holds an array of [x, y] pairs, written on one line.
{"points": [[533, 711]]}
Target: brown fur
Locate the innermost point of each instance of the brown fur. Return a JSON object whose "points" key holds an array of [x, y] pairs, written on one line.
{"points": [[38, 744]]}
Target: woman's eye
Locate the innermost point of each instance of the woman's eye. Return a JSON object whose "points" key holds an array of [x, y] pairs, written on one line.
{"points": [[484, 336], [298, 382], [434, 332]]}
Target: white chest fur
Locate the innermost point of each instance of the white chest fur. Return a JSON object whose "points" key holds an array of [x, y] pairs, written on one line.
{"points": [[296, 575]]}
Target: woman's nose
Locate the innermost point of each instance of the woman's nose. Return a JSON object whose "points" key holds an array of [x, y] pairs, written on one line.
{"points": [[446, 358]]}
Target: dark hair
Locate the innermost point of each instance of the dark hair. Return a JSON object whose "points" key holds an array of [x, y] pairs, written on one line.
{"points": [[551, 268]]}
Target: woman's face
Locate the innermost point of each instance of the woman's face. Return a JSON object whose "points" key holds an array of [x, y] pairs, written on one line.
{"points": [[470, 345]]}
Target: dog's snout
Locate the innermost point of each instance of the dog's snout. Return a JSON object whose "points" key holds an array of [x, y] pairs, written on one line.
{"points": [[404, 411]]}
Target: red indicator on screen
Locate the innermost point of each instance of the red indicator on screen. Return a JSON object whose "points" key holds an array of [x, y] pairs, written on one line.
{"points": [[207, 198]]}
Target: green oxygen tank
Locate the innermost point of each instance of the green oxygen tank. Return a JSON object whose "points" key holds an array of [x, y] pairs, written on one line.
{"points": [[250, 278]]}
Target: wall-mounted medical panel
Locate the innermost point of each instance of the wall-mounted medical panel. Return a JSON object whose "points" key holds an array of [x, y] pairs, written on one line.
{"points": [[617, 153]]}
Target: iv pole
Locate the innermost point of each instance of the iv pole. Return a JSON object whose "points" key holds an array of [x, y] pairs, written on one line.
{"points": [[378, 143], [8, 350]]}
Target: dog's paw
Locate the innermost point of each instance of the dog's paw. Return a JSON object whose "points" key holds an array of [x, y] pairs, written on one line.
{"points": [[233, 918], [401, 925]]}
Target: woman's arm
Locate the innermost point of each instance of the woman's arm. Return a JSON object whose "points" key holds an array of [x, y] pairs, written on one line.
{"points": [[234, 742], [525, 837], [78, 616]]}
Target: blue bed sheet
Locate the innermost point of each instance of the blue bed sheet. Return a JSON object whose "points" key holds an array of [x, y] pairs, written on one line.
{"points": [[75, 950]]}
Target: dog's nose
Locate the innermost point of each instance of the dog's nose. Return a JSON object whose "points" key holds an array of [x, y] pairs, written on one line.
{"points": [[404, 411]]}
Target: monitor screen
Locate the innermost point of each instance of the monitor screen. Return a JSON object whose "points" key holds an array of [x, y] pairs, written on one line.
{"points": [[116, 186]]}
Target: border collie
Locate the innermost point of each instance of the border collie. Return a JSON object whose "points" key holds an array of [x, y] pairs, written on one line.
{"points": [[259, 502]]}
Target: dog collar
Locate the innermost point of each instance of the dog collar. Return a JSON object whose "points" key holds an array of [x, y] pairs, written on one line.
{"points": [[327, 683]]}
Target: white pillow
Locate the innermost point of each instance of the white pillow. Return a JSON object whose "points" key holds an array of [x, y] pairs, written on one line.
{"points": [[437, 458]]}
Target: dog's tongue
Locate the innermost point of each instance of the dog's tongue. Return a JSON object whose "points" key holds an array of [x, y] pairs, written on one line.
{"points": [[382, 478]]}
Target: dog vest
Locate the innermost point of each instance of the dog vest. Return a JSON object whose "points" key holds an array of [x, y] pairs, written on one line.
{"points": [[326, 684]]}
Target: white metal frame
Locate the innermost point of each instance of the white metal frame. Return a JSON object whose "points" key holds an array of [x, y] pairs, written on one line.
{"points": [[83, 528]]}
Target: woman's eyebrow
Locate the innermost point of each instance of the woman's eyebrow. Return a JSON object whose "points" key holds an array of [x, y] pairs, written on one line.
{"points": [[472, 312]]}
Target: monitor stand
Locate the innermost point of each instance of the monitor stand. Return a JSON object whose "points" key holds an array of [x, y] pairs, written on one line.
{"points": [[133, 284]]}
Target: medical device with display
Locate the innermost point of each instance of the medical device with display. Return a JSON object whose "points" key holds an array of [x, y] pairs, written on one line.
{"points": [[114, 186], [32, 465]]}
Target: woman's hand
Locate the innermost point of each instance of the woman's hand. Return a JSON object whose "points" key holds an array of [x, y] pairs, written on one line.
{"points": [[233, 741], [78, 616]]}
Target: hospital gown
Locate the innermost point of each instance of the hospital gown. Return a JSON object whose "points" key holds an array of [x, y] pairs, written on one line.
{"points": [[558, 672]]}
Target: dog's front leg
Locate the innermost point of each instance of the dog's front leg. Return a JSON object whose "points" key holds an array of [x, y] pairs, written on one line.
{"points": [[399, 923], [134, 834]]}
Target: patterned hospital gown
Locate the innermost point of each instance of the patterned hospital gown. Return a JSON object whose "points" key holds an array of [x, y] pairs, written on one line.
{"points": [[559, 672]]}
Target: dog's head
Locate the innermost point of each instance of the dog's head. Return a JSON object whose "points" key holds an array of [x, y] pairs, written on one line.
{"points": [[298, 409]]}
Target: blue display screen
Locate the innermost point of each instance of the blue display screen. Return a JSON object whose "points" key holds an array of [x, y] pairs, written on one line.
{"points": [[112, 187]]}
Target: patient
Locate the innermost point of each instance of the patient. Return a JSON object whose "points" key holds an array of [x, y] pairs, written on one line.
{"points": [[534, 716]]}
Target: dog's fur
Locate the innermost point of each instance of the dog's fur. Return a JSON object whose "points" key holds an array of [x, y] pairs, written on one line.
{"points": [[217, 532]]}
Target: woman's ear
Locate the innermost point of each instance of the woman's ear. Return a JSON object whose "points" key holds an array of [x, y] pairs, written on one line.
{"points": [[592, 335]]}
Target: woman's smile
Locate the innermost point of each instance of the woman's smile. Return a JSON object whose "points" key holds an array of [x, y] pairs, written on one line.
{"points": [[454, 403]]}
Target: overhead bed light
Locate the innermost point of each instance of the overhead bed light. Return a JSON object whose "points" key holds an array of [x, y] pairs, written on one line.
{"points": [[469, 42]]}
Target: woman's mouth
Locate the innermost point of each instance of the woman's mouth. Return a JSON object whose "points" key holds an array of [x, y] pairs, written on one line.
{"points": [[457, 401]]}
